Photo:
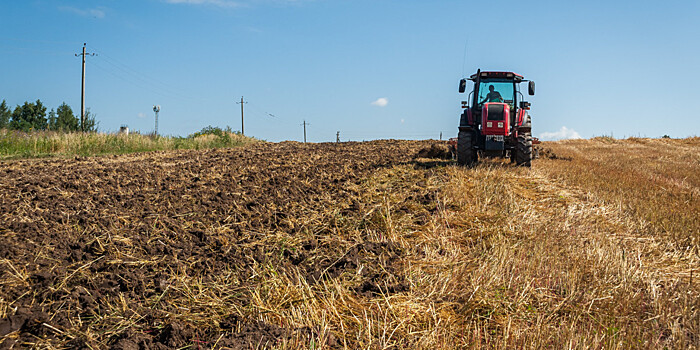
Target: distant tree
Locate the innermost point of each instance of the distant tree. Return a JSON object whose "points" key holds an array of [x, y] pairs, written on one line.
{"points": [[52, 120], [65, 119], [90, 124], [212, 130], [29, 116], [5, 114]]}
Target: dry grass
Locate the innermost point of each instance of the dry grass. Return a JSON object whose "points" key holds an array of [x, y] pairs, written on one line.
{"points": [[17, 144], [554, 257], [653, 180]]}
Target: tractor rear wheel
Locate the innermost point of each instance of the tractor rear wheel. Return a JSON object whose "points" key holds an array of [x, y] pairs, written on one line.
{"points": [[523, 151], [466, 154]]}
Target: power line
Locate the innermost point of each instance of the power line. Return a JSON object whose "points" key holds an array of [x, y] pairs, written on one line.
{"points": [[260, 111], [139, 82], [128, 80], [152, 84], [144, 77], [146, 80]]}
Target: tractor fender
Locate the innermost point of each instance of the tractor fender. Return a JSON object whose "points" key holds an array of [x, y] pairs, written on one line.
{"points": [[522, 114], [524, 121], [467, 118]]}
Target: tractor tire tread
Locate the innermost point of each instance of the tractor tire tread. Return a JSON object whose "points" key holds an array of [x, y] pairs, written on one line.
{"points": [[466, 154], [523, 151]]}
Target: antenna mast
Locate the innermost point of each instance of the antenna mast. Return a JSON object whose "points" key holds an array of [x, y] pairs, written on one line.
{"points": [[156, 109]]}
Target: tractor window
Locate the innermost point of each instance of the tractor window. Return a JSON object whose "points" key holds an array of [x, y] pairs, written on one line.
{"points": [[504, 88]]}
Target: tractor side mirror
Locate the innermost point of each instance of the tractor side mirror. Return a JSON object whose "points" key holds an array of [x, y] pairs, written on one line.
{"points": [[462, 85], [531, 87]]}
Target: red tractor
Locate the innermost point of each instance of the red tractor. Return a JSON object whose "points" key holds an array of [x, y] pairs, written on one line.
{"points": [[497, 123]]}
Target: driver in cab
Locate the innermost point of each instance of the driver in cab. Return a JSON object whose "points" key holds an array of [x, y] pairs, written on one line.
{"points": [[492, 96]]}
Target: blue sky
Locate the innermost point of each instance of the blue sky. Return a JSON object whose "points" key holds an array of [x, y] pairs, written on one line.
{"points": [[369, 69]]}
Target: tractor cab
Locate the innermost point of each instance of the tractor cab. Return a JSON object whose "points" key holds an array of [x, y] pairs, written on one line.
{"points": [[498, 93], [495, 114]]}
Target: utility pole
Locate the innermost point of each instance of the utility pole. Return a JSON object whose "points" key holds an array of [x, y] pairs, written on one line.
{"points": [[337, 137], [242, 103], [82, 90], [305, 124], [440, 135]]}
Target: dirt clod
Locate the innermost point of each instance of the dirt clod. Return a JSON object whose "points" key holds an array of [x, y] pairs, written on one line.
{"points": [[436, 150], [548, 153]]}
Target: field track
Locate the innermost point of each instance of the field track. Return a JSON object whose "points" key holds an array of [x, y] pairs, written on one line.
{"points": [[353, 245]]}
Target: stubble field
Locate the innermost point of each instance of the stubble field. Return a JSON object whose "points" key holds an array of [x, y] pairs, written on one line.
{"points": [[353, 245]]}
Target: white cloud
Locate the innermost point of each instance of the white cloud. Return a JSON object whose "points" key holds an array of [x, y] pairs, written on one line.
{"points": [[96, 12], [381, 102], [402, 121], [240, 3], [141, 115], [563, 134], [220, 3]]}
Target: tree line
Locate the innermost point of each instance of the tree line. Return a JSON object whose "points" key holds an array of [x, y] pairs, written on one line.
{"points": [[32, 116]]}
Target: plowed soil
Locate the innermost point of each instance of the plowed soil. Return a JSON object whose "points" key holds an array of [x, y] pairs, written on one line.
{"points": [[92, 249]]}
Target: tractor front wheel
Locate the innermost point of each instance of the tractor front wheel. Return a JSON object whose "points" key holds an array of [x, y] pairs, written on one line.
{"points": [[523, 151], [466, 154]]}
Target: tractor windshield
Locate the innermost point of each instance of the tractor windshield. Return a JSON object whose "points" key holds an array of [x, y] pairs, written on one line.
{"points": [[502, 91]]}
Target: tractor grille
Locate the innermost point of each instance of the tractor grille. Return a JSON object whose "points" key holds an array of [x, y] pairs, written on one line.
{"points": [[495, 112]]}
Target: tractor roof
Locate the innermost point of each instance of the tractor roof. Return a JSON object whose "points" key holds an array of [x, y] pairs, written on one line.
{"points": [[501, 75]]}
